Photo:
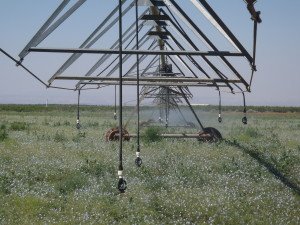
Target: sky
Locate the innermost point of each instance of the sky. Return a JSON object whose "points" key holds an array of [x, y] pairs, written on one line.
{"points": [[276, 82]]}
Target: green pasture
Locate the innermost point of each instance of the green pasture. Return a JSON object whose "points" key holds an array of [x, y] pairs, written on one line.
{"points": [[50, 173]]}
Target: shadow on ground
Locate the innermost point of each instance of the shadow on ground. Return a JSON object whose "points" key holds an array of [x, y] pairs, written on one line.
{"points": [[269, 166]]}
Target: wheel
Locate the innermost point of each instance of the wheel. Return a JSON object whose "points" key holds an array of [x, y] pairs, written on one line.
{"points": [[78, 126], [244, 120], [115, 116], [113, 135], [122, 185], [210, 134], [138, 162]]}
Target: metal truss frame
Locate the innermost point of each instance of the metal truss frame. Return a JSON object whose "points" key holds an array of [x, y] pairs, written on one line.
{"points": [[170, 22]]}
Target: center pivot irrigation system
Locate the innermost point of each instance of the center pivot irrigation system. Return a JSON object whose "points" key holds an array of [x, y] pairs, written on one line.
{"points": [[173, 53]]}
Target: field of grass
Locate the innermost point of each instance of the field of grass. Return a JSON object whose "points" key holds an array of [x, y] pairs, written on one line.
{"points": [[50, 173]]}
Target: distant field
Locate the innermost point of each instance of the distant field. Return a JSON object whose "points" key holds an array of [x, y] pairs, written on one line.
{"points": [[51, 173]]}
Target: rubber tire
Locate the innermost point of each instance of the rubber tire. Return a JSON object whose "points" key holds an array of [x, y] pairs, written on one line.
{"points": [[210, 134]]}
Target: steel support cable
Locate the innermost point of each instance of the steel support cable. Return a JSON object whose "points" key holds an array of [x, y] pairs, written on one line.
{"points": [[25, 68], [179, 29], [114, 46], [126, 57], [147, 92], [181, 61], [177, 67], [195, 29], [90, 41], [102, 60], [150, 65], [180, 70], [31, 73], [187, 91], [134, 73], [182, 73], [113, 69], [142, 58], [183, 33], [143, 92], [192, 60]]}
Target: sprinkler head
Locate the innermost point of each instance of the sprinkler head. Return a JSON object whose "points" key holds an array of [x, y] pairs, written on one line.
{"points": [[78, 124], [220, 119], [115, 116], [244, 120], [138, 162], [122, 185]]}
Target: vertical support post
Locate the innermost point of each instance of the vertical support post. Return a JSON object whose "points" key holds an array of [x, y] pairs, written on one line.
{"points": [[138, 160], [122, 183]]}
